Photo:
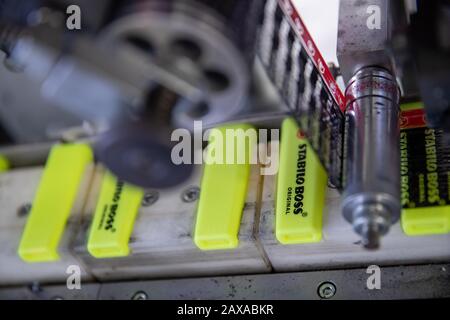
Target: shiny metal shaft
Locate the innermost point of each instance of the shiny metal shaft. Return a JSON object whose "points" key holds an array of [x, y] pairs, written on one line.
{"points": [[372, 166]]}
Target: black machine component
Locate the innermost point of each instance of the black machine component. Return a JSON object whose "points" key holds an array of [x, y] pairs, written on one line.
{"points": [[420, 47], [430, 41]]}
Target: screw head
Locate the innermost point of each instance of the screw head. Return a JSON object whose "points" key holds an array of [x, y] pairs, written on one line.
{"points": [[191, 194], [35, 287], [150, 198], [326, 290], [24, 210], [140, 295]]}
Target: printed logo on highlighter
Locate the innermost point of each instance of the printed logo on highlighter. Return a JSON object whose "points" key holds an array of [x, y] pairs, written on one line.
{"points": [[300, 134], [110, 211]]}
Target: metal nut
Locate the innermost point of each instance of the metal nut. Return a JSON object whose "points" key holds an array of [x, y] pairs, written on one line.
{"points": [[140, 295], [24, 210], [150, 198], [326, 290], [191, 194]]}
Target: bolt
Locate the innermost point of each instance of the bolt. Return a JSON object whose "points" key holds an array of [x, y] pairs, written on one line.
{"points": [[370, 237], [191, 194], [326, 290], [35, 287], [150, 198], [24, 210], [140, 295]]}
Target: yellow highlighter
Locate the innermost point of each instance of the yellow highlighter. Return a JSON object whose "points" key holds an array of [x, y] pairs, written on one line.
{"points": [[114, 218], [301, 186], [4, 164], [53, 201], [425, 175], [426, 221], [224, 186]]}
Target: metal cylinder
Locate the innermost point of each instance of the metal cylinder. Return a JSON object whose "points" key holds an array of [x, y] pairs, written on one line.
{"points": [[372, 164]]}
